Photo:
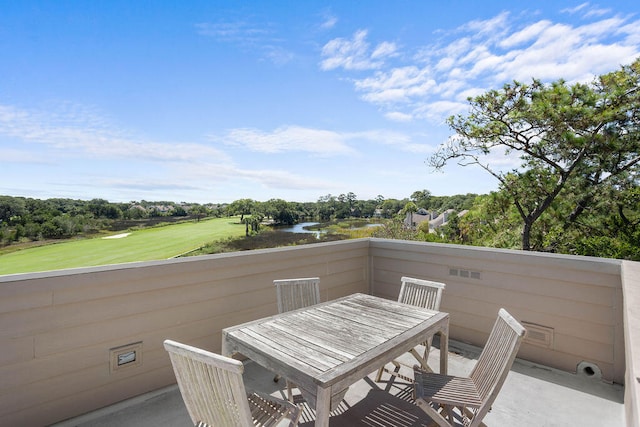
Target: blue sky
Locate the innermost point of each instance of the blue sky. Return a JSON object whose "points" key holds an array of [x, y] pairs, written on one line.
{"points": [[214, 101]]}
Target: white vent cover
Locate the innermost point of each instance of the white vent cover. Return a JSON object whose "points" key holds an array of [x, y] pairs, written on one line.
{"points": [[541, 336]]}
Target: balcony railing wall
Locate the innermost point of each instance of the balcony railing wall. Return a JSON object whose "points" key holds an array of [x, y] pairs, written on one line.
{"points": [[631, 290], [573, 303], [57, 328]]}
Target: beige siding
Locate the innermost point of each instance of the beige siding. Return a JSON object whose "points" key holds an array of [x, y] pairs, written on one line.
{"points": [[57, 328], [578, 297]]}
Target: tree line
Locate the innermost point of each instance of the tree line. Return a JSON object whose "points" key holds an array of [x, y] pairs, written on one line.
{"points": [[28, 219], [25, 219]]}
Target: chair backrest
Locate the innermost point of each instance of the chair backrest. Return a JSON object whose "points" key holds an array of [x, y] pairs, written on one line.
{"points": [[297, 293], [211, 386], [496, 359], [421, 293]]}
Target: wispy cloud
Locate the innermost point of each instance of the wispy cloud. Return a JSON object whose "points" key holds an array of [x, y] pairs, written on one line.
{"points": [[286, 180], [329, 21], [586, 10], [289, 139], [480, 55], [355, 53], [236, 32], [319, 142], [263, 39], [576, 9], [85, 135]]}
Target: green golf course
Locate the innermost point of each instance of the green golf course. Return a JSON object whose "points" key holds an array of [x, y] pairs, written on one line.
{"points": [[126, 246]]}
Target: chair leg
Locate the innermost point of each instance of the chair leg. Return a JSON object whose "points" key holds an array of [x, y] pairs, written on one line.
{"points": [[424, 359], [433, 413], [290, 392], [384, 369], [379, 374], [295, 420]]}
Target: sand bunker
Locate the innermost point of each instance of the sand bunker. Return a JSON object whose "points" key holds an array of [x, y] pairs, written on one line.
{"points": [[117, 236]]}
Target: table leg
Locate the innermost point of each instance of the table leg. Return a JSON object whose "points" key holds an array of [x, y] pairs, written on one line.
{"points": [[323, 406], [444, 352]]}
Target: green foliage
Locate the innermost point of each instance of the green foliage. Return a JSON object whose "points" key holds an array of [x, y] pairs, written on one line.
{"points": [[573, 142], [241, 207], [282, 212]]}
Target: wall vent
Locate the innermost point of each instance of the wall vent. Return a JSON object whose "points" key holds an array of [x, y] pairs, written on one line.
{"points": [[538, 335], [466, 274], [125, 357]]}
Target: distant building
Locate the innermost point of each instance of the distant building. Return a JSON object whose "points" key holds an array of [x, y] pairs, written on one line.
{"points": [[414, 219]]}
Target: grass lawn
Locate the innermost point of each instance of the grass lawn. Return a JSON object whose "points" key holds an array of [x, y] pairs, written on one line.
{"points": [[140, 245]]}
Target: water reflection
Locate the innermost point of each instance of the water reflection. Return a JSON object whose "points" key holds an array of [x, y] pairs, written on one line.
{"points": [[300, 228]]}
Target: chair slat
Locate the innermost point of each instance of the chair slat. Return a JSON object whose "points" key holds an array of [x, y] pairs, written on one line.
{"points": [[297, 293]]}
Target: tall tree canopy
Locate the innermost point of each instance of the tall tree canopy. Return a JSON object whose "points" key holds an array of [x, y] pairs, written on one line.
{"points": [[574, 142]]}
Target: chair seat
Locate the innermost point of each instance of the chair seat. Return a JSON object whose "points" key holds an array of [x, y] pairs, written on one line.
{"points": [[447, 389], [267, 411]]}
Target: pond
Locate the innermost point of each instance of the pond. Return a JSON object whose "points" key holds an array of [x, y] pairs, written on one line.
{"points": [[300, 228]]}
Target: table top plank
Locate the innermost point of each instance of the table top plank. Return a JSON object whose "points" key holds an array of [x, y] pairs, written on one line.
{"points": [[342, 337], [374, 318], [394, 309], [304, 351]]}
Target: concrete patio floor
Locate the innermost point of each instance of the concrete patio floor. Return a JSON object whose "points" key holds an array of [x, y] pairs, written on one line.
{"points": [[533, 395]]}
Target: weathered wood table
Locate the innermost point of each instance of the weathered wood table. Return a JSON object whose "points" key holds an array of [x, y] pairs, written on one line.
{"points": [[325, 348]]}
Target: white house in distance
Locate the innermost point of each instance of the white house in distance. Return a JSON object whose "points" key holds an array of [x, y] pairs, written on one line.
{"points": [[414, 219]]}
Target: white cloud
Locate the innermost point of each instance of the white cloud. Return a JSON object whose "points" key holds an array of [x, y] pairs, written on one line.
{"points": [[438, 110], [79, 134], [237, 32], [259, 38], [484, 54], [355, 54], [398, 116], [384, 49], [284, 180], [578, 8], [329, 22], [397, 85], [586, 10], [526, 34], [289, 138]]}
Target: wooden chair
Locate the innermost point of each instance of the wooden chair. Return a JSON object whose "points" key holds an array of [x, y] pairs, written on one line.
{"points": [[293, 294], [214, 393], [421, 293], [472, 396]]}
